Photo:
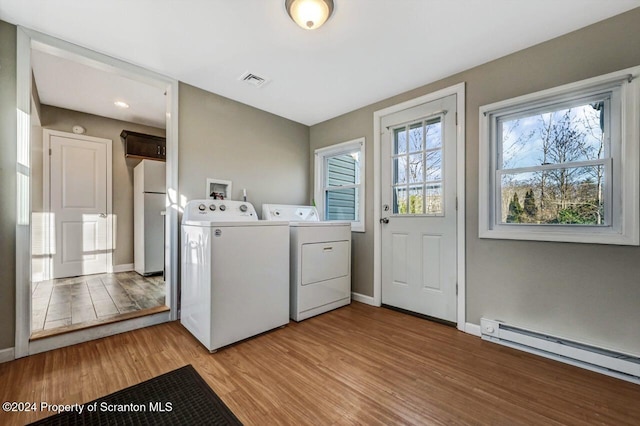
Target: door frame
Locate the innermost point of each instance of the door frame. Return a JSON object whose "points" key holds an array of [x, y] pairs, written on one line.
{"points": [[46, 188], [26, 41], [459, 91]]}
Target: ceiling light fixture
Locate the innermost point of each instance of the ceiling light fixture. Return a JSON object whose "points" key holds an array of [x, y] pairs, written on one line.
{"points": [[309, 14], [121, 104]]}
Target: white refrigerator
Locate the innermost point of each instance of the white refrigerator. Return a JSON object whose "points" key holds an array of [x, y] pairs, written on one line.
{"points": [[149, 183]]}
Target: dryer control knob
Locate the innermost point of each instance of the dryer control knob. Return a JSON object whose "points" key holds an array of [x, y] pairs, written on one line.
{"points": [[223, 207], [212, 207], [201, 207], [243, 208]]}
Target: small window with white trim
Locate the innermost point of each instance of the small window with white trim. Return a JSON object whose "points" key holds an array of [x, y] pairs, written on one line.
{"points": [[339, 183], [562, 164]]}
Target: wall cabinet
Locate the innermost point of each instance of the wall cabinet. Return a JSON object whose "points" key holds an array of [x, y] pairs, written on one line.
{"points": [[139, 145]]}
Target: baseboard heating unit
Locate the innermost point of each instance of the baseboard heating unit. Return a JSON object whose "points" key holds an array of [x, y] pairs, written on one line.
{"points": [[605, 361]]}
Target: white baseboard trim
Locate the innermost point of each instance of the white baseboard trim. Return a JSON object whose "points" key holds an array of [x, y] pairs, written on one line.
{"points": [[362, 298], [125, 267], [474, 329], [7, 355]]}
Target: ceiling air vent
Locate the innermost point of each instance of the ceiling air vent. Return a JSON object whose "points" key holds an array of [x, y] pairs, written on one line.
{"points": [[253, 79]]}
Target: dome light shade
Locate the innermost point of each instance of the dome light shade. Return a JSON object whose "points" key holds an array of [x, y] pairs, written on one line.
{"points": [[309, 14]]}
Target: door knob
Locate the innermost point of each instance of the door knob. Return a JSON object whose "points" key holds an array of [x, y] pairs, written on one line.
{"points": [[103, 215], [384, 220]]}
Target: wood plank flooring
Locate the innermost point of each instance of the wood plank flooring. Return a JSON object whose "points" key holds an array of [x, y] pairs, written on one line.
{"points": [[67, 304], [354, 365]]}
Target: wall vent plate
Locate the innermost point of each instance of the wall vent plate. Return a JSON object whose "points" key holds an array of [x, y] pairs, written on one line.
{"points": [[253, 79]]}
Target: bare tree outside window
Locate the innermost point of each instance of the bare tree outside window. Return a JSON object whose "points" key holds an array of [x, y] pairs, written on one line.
{"points": [[555, 162], [561, 164]]}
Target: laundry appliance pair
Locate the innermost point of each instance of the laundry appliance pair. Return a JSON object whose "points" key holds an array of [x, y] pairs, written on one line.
{"points": [[242, 276]]}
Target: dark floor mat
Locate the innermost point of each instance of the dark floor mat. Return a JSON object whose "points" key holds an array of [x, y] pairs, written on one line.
{"points": [[180, 397]]}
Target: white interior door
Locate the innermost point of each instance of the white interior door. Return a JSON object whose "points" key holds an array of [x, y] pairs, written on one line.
{"points": [[418, 196], [78, 191]]}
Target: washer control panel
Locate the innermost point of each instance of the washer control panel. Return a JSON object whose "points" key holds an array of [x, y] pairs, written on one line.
{"points": [[290, 213], [219, 210]]}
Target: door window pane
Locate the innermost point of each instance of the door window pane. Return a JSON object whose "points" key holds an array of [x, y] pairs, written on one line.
{"points": [[400, 200], [416, 200], [434, 133], [417, 160], [434, 165], [400, 169], [400, 141], [416, 132], [416, 168], [433, 199]]}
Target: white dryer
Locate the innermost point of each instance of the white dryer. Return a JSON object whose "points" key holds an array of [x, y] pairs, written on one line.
{"points": [[320, 259], [235, 272]]}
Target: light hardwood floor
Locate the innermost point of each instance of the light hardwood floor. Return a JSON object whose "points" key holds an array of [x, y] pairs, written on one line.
{"points": [[355, 365]]}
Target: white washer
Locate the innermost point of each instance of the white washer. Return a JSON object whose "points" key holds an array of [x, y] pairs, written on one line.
{"points": [[235, 272], [320, 274]]}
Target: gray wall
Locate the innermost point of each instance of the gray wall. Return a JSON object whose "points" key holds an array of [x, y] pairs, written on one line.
{"points": [[224, 139], [101, 127], [581, 291], [8, 133]]}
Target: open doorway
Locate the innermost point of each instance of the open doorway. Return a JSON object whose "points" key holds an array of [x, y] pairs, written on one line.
{"points": [[82, 264], [84, 236]]}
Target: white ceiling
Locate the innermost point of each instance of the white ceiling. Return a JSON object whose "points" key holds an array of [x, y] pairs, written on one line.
{"points": [[68, 84], [368, 51]]}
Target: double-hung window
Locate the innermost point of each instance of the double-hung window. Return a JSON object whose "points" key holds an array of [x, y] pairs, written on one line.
{"points": [[339, 183], [562, 164]]}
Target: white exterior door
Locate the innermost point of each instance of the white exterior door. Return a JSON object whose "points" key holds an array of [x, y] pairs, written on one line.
{"points": [[79, 188], [418, 196]]}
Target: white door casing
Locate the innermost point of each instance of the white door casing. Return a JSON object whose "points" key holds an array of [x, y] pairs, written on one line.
{"points": [[418, 199], [77, 192]]}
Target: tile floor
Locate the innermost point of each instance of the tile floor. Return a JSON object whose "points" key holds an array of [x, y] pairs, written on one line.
{"points": [[69, 301]]}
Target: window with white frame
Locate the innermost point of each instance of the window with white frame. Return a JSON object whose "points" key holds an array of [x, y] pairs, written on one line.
{"points": [[562, 164], [339, 183], [417, 168]]}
